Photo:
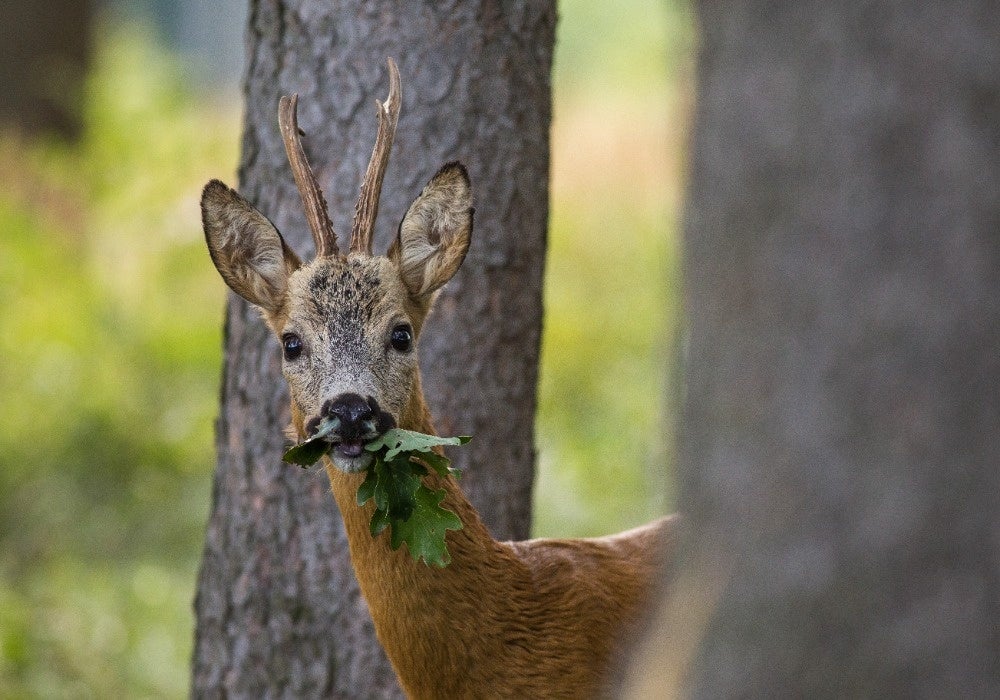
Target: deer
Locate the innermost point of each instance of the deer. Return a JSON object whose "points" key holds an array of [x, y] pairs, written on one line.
{"points": [[542, 618]]}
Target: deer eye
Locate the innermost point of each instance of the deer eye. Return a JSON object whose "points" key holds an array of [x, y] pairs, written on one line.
{"points": [[401, 338], [292, 345]]}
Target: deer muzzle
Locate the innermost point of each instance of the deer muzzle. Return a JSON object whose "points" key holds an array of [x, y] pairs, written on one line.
{"points": [[356, 420]]}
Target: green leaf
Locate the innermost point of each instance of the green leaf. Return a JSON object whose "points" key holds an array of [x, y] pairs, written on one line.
{"points": [[398, 440], [379, 522], [398, 486], [442, 465], [307, 453], [367, 489], [424, 531], [392, 486]]}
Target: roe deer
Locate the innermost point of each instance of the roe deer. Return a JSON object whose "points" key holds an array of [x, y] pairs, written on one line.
{"points": [[533, 619]]}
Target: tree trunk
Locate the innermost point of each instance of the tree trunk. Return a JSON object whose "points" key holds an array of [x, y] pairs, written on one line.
{"points": [[278, 609], [841, 435]]}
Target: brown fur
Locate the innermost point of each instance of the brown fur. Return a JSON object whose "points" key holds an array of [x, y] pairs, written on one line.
{"points": [[534, 619]]}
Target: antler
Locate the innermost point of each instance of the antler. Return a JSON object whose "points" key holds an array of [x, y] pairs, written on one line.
{"points": [[371, 187], [312, 196]]}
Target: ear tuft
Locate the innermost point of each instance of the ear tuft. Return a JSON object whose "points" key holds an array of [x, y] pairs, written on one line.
{"points": [[246, 248], [434, 235]]}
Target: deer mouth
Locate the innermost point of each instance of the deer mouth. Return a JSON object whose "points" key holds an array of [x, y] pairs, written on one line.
{"points": [[351, 456], [350, 448]]}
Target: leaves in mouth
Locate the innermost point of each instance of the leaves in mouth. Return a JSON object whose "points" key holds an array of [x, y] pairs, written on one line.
{"points": [[424, 531], [398, 440], [411, 510], [307, 453]]}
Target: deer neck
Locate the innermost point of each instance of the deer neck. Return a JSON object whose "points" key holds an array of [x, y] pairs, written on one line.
{"points": [[428, 618]]}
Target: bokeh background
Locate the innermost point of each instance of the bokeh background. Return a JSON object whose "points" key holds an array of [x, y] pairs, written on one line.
{"points": [[111, 319]]}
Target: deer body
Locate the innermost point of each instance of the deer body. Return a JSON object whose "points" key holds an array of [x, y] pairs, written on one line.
{"points": [[540, 618]]}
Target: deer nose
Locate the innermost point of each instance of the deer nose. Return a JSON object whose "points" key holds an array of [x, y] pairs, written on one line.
{"points": [[356, 416]]}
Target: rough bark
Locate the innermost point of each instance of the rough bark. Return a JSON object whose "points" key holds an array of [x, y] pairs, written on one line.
{"points": [[278, 609], [840, 437]]}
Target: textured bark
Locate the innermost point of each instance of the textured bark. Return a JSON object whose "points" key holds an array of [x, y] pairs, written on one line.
{"points": [[840, 436], [278, 608]]}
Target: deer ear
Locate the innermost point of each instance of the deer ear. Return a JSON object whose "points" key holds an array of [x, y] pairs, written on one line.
{"points": [[435, 233], [246, 248]]}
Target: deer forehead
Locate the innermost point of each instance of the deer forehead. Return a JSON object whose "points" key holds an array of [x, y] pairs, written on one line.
{"points": [[355, 295]]}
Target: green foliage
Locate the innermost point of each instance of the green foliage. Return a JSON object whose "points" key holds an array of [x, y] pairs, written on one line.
{"points": [[402, 503], [307, 453], [397, 441], [611, 281], [393, 482], [424, 530], [110, 333]]}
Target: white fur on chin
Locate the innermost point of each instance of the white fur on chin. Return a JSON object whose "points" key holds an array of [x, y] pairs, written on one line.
{"points": [[351, 465]]}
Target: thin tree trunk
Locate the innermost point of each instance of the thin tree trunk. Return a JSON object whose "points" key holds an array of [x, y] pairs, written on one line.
{"points": [[278, 609], [841, 435]]}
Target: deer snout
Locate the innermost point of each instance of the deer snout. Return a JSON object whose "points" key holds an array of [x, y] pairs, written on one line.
{"points": [[356, 420], [355, 416]]}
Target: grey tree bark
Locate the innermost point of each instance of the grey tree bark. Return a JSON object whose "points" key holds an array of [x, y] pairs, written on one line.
{"points": [[840, 440], [278, 609]]}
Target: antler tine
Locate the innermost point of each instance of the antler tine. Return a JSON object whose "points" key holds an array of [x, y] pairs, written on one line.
{"points": [[371, 187], [312, 196]]}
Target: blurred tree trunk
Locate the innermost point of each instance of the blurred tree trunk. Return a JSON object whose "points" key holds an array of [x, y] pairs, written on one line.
{"points": [[278, 609], [841, 435], [45, 48]]}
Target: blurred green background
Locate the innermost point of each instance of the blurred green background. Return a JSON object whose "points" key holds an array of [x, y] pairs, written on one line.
{"points": [[111, 319]]}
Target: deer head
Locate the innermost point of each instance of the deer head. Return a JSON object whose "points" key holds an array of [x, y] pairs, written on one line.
{"points": [[348, 323]]}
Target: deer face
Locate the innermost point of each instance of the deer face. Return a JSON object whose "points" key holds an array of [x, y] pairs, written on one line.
{"points": [[348, 324], [349, 350]]}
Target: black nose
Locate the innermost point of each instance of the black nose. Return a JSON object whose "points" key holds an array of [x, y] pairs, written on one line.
{"points": [[355, 413], [354, 419]]}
